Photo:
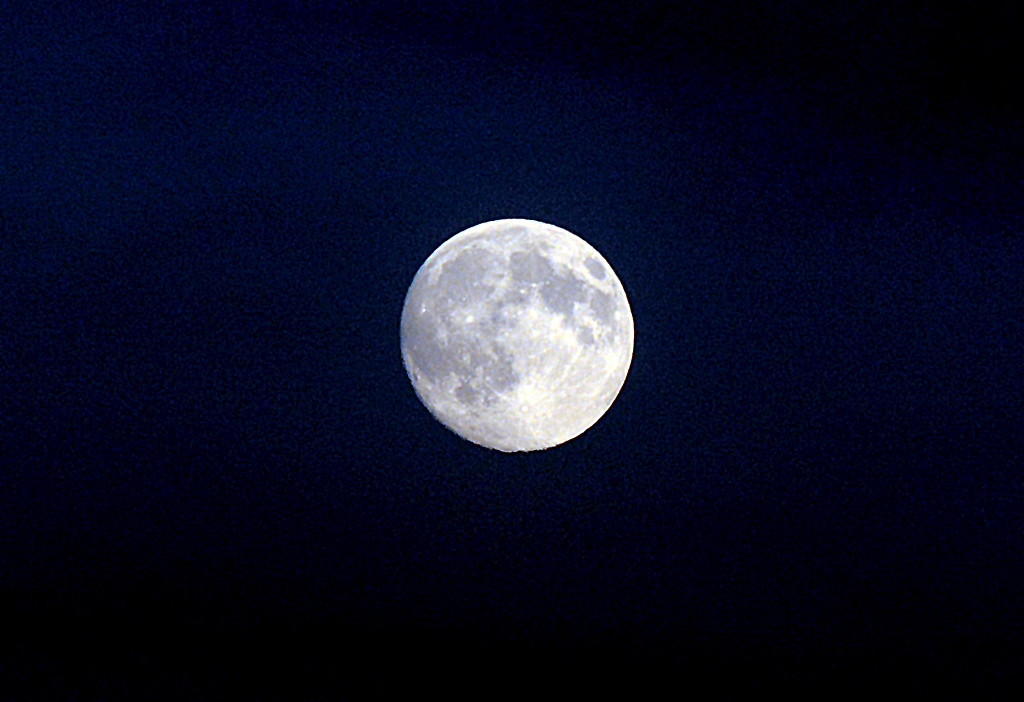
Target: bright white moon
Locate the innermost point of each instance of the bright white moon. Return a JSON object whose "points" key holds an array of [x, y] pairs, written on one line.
{"points": [[517, 335]]}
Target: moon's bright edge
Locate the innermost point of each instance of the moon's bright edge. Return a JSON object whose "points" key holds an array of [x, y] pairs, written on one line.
{"points": [[517, 335]]}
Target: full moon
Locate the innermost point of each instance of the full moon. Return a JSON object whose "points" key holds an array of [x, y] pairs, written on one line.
{"points": [[517, 335]]}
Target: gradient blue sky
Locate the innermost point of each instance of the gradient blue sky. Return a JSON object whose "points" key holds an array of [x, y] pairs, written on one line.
{"points": [[209, 221]]}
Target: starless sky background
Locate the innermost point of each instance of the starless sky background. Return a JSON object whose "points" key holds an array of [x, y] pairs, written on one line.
{"points": [[215, 476]]}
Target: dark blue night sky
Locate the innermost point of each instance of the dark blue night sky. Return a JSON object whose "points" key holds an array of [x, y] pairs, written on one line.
{"points": [[217, 480]]}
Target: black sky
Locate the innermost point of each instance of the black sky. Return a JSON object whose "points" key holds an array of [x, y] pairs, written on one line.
{"points": [[216, 479]]}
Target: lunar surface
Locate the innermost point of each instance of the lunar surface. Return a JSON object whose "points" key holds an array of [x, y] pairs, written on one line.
{"points": [[517, 335]]}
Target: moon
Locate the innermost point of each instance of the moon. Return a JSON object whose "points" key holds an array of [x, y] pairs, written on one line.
{"points": [[516, 335]]}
